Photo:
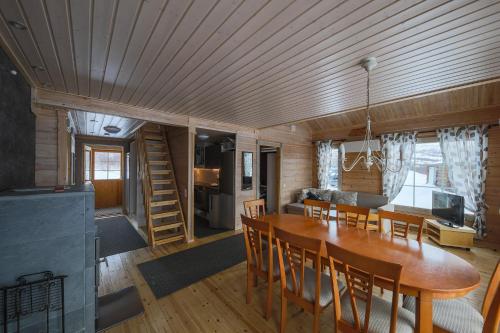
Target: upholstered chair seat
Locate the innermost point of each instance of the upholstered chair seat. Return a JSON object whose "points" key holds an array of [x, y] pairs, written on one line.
{"points": [[453, 315], [380, 315], [325, 296]]}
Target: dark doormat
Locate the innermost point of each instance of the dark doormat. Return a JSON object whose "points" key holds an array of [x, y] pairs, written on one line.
{"points": [[202, 228], [179, 270], [117, 235], [115, 308]]}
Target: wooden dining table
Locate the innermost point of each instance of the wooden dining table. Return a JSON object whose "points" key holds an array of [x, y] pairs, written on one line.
{"points": [[428, 272]]}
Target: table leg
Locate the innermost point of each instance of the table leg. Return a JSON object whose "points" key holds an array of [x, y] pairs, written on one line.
{"points": [[423, 314]]}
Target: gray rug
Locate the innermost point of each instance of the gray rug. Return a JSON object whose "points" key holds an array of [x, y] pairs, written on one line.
{"points": [[115, 308], [117, 236], [179, 270]]}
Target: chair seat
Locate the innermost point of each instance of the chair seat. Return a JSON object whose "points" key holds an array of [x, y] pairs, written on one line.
{"points": [[380, 315], [325, 296], [452, 315]]}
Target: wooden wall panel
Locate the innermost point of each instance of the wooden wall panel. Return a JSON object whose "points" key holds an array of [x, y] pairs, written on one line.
{"points": [[46, 148], [296, 158], [493, 190], [296, 171], [178, 140], [360, 180]]}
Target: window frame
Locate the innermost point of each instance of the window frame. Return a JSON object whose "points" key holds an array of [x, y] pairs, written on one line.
{"points": [[101, 150], [421, 210]]}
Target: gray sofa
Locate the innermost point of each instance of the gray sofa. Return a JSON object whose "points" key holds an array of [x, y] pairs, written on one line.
{"points": [[362, 199]]}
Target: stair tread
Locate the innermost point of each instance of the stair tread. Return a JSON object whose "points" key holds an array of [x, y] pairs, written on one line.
{"points": [[157, 152], [161, 181], [167, 226], [158, 192], [169, 238], [165, 214], [163, 203], [159, 162]]}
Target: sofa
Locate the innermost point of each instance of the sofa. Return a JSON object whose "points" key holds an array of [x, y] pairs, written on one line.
{"points": [[362, 199]]}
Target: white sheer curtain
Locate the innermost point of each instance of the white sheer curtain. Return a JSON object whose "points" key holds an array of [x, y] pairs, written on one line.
{"points": [[392, 145], [324, 158], [465, 153]]}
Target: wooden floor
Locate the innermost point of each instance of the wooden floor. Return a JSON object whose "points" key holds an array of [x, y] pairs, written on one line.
{"points": [[217, 304]]}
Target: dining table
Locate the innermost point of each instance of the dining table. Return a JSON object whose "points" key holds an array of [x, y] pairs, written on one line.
{"points": [[428, 273]]}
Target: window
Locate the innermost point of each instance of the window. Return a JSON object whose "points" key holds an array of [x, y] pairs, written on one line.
{"points": [[427, 173], [107, 165], [333, 173]]}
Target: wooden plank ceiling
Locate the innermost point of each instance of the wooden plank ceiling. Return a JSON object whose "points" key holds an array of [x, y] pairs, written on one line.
{"points": [[255, 63], [94, 124], [478, 104]]}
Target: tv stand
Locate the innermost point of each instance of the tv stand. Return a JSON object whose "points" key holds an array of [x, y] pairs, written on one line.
{"points": [[447, 223], [445, 235]]}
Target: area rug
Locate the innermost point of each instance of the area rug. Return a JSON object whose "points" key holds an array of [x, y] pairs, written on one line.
{"points": [[117, 235], [118, 307], [202, 228], [179, 270]]}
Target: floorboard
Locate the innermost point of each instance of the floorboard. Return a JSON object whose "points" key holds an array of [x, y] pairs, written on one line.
{"points": [[217, 304]]}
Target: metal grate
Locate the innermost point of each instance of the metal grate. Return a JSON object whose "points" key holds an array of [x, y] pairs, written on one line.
{"points": [[39, 292]]}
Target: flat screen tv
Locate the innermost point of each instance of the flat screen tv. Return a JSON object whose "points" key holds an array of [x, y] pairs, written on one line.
{"points": [[449, 207]]}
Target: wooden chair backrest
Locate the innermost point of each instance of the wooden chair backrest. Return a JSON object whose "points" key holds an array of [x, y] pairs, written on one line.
{"points": [[400, 223], [317, 209], [255, 208], [294, 247], [352, 215], [491, 303], [360, 272], [254, 232]]}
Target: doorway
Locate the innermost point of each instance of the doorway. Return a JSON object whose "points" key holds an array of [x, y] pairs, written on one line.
{"points": [[214, 187], [104, 169], [269, 175]]}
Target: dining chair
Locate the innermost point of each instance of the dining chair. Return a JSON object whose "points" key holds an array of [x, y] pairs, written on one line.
{"points": [[307, 287], [352, 215], [317, 209], [255, 208], [260, 261], [400, 223], [358, 310], [458, 315]]}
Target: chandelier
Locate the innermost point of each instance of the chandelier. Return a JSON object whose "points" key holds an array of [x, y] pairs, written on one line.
{"points": [[369, 155]]}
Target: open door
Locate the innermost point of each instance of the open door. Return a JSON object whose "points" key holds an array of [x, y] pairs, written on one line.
{"points": [[106, 174]]}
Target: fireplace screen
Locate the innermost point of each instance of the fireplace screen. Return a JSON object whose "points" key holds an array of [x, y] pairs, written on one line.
{"points": [[36, 302]]}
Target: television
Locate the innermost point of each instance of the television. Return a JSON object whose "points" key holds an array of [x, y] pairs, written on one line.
{"points": [[448, 207]]}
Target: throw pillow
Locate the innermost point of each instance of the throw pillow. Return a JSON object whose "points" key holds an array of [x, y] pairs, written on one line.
{"points": [[324, 195], [312, 196], [345, 198], [302, 194]]}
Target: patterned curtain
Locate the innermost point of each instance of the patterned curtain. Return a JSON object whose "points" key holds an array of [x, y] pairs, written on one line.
{"points": [[324, 158], [465, 153], [392, 146]]}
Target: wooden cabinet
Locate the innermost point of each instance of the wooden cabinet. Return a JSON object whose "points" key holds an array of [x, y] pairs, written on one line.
{"points": [[447, 236]]}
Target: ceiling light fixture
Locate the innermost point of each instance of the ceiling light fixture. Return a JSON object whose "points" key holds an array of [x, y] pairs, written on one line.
{"points": [[203, 136], [112, 129], [366, 154], [18, 25], [13, 72]]}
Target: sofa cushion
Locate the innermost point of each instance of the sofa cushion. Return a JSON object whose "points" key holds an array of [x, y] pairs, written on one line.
{"points": [[312, 196], [324, 195], [345, 198], [302, 194], [370, 200]]}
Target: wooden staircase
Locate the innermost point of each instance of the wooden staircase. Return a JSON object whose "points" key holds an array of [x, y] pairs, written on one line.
{"points": [[164, 216]]}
